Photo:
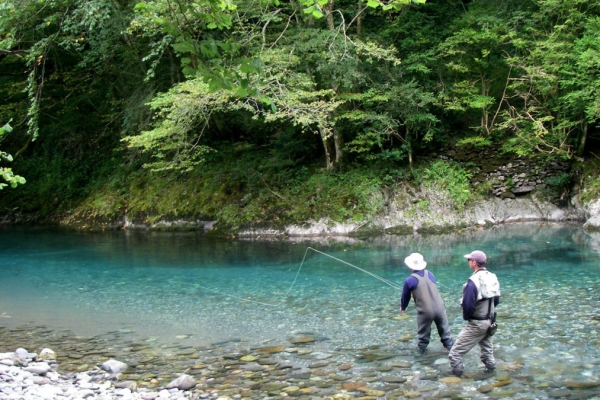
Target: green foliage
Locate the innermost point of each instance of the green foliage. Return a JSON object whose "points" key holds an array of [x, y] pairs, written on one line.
{"points": [[559, 182], [474, 60], [591, 181], [476, 141], [554, 81], [248, 101], [184, 113], [296, 196], [447, 176], [233, 190], [6, 173], [317, 7], [483, 189]]}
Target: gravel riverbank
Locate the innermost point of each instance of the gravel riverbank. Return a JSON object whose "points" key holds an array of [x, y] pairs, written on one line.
{"points": [[112, 367], [62, 366]]}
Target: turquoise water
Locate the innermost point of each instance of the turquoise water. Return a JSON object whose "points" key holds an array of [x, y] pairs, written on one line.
{"points": [[198, 290]]}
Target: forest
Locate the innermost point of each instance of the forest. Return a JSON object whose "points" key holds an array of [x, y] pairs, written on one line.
{"points": [[275, 111]]}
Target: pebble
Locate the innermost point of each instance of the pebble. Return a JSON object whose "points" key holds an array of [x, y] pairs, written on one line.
{"points": [[121, 370]]}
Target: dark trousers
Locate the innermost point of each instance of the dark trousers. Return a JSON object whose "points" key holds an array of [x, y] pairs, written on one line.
{"points": [[424, 329]]}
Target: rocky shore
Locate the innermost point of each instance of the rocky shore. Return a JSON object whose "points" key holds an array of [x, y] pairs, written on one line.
{"points": [[106, 368], [32, 376]]}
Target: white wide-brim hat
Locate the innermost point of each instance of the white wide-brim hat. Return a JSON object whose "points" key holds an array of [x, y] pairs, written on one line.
{"points": [[415, 261]]}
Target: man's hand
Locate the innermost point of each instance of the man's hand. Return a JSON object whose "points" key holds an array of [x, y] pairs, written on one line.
{"points": [[400, 310]]}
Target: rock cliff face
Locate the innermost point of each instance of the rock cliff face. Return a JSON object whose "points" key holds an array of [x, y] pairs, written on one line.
{"points": [[426, 211], [408, 210], [593, 211], [509, 176], [520, 190]]}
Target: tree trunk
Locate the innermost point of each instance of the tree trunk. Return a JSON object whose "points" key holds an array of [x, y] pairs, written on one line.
{"points": [[582, 140], [338, 143], [361, 7], [330, 152], [329, 14]]}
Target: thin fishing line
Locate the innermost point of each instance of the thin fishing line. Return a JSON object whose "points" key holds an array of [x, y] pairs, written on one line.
{"points": [[390, 283], [387, 282]]}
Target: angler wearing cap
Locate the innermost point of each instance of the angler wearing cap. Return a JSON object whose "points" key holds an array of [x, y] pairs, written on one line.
{"points": [[421, 284], [481, 294]]}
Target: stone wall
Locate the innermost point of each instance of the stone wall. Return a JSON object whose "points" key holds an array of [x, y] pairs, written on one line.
{"points": [[508, 176]]}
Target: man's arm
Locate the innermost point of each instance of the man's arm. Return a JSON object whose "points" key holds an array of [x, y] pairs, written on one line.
{"points": [[469, 300], [410, 284]]}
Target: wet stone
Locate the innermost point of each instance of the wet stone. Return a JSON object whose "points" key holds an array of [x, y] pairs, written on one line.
{"points": [[302, 339], [451, 380], [501, 383], [370, 391], [369, 373], [582, 384], [300, 375], [560, 393], [402, 364], [485, 388], [266, 361], [427, 388], [270, 349], [319, 372], [324, 384], [186, 352], [450, 394], [278, 372], [584, 396], [352, 386], [502, 394], [320, 364], [393, 379], [429, 377]]}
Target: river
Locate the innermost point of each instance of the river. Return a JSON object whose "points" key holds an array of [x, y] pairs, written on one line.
{"points": [[194, 290]]}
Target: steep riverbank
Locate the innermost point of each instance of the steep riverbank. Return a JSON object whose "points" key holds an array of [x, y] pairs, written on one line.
{"points": [[426, 211], [440, 197], [406, 211]]}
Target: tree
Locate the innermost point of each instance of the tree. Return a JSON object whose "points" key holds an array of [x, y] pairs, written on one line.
{"points": [[555, 85], [6, 173], [283, 67], [475, 68]]}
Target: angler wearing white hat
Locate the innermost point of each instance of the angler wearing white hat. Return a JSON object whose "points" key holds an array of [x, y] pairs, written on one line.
{"points": [[421, 284]]}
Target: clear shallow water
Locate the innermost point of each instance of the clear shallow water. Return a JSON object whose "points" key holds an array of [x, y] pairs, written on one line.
{"points": [[198, 290]]}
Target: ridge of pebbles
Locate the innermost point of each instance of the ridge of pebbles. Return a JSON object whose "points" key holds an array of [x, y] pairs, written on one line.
{"points": [[91, 369], [32, 376]]}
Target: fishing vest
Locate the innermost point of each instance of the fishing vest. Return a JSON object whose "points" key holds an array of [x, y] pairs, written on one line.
{"points": [[487, 284]]}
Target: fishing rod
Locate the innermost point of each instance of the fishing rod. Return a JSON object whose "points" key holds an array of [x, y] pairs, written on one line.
{"points": [[387, 282]]}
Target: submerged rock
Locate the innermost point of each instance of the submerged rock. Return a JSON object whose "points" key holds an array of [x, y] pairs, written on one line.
{"points": [[184, 382], [114, 366]]}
